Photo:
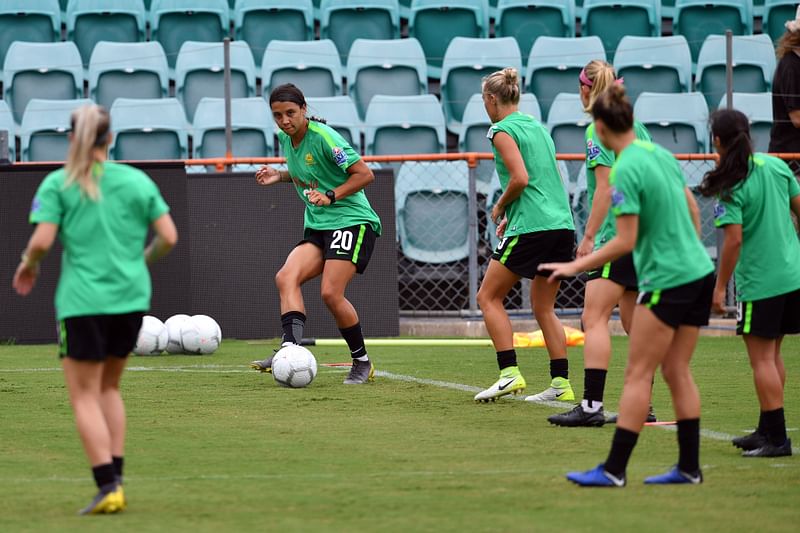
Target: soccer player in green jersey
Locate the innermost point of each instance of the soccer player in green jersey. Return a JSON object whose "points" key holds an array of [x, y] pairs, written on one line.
{"points": [[340, 225], [535, 226], [757, 194], [613, 283], [657, 219], [101, 212]]}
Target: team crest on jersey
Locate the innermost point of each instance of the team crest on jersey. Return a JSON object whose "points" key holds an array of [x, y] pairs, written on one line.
{"points": [[617, 198], [339, 156], [310, 159], [719, 210], [592, 150]]}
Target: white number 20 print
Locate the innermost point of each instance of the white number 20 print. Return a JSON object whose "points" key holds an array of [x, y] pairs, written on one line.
{"points": [[342, 239]]}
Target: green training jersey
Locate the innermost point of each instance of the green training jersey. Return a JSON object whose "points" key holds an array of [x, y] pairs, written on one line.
{"points": [[543, 204], [647, 181], [103, 268], [598, 155], [320, 162], [769, 263]]}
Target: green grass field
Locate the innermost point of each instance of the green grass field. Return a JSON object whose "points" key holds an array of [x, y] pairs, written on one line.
{"points": [[213, 446]]}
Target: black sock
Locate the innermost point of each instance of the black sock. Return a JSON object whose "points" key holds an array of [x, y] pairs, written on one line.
{"points": [[559, 368], [775, 426], [293, 323], [594, 384], [118, 463], [689, 445], [761, 429], [507, 358], [355, 340], [621, 449], [103, 474]]}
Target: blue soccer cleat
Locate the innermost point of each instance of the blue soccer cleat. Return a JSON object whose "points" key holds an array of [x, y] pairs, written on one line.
{"points": [[597, 477], [675, 476]]}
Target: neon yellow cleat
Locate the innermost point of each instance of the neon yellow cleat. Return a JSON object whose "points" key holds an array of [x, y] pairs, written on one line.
{"points": [[559, 389], [106, 502], [511, 384]]}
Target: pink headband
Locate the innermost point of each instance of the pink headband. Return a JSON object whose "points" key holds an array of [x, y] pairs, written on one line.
{"points": [[586, 81]]}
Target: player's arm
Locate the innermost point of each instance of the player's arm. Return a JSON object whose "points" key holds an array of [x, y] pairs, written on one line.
{"points": [[39, 244], [359, 176], [599, 209], [267, 175], [729, 256], [164, 241], [694, 210], [518, 174]]}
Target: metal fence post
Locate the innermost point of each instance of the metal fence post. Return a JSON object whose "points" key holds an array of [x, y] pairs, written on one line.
{"points": [[728, 69], [473, 235], [227, 82]]}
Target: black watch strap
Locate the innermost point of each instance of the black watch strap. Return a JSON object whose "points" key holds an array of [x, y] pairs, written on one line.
{"points": [[331, 196]]}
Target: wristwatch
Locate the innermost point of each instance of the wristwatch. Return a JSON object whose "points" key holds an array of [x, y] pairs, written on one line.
{"points": [[331, 196]]}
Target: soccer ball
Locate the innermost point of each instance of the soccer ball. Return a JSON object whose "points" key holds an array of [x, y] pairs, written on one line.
{"points": [[200, 334], [294, 366], [174, 323], [153, 337]]}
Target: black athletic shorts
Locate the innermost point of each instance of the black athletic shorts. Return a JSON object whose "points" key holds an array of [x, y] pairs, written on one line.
{"points": [[684, 305], [621, 271], [771, 317], [354, 244], [95, 337], [523, 253]]}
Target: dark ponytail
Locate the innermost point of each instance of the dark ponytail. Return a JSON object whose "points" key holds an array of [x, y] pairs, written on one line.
{"points": [[289, 92], [733, 130], [614, 109]]}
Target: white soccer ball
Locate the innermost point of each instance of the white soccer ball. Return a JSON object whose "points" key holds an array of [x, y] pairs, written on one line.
{"points": [[174, 323], [153, 337], [294, 366], [200, 334]]}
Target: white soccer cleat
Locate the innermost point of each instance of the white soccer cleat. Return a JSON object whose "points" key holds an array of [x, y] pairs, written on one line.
{"points": [[502, 387], [559, 389]]}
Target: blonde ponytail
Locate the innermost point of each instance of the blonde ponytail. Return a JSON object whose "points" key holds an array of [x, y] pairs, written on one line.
{"points": [[601, 76], [90, 129], [504, 84]]}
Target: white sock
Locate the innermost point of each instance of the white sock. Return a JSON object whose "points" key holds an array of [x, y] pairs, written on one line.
{"points": [[589, 406], [364, 358]]}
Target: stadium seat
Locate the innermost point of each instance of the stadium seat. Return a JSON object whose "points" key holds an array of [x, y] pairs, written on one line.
{"points": [[251, 122], [92, 21], [567, 123], [697, 19], [45, 127], [149, 129], [758, 108], [611, 20], [393, 67], [7, 125], [341, 114], [647, 63], [344, 21], [436, 22], [676, 121], [257, 22], [50, 71], [28, 20], [431, 200], [404, 125], [555, 63], [776, 13], [127, 70], [172, 22], [527, 20], [753, 66], [311, 65], [466, 62], [200, 71]]}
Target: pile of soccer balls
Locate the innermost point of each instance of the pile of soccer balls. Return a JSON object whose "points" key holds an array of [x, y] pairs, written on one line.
{"points": [[180, 334]]}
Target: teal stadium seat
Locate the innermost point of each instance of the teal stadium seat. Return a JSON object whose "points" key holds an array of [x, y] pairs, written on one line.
{"points": [[776, 13], [7, 125], [436, 22], [648, 63], [567, 123], [50, 71], [404, 125], [149, 129], [257, 22], [758, 108], [28, 20], [676, 121], [313, 66], [92, 21], [344, 21], [611, 20], [753, 66], [405, 9], [555, 64], [527, 20], [393, 67], [251, 122], [45, 128], [127, 70], [341, 114], [200, 71], [697, 19], [466, 62], [173, 22], [431, 200]]}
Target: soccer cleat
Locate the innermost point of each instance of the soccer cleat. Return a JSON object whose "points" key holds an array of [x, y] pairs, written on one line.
{"points": [[361, 372], [266, 364], [577, 417], [107, 501], [502, 387], [596, 477], [750, 442], [651, 417], [675, 476], [559, 389], [770, 450]]}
